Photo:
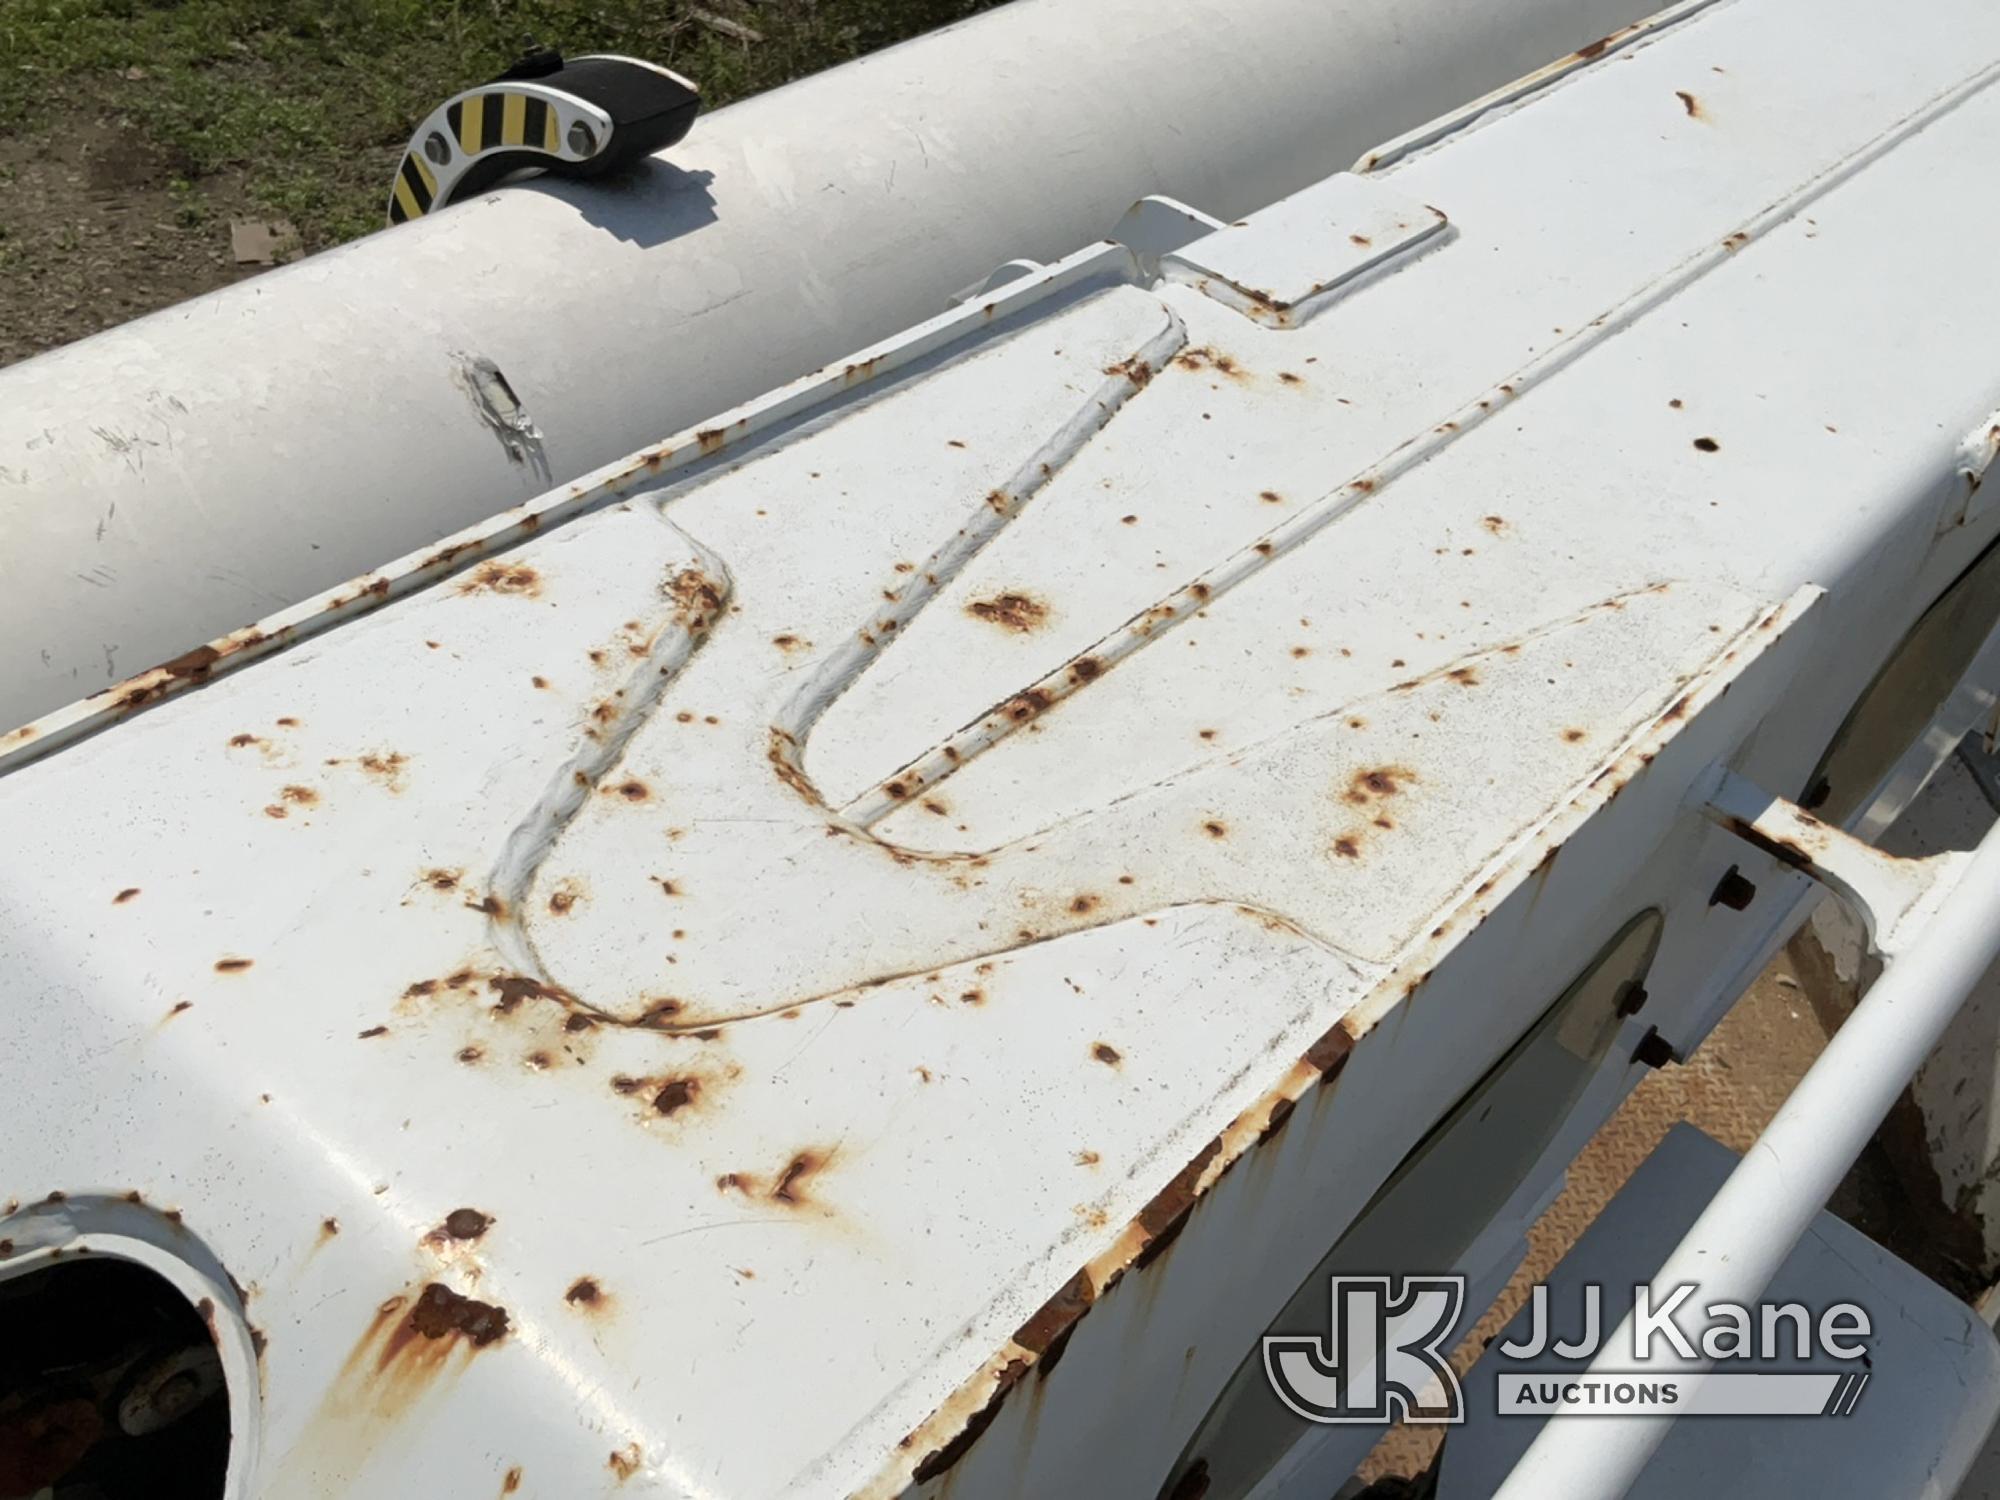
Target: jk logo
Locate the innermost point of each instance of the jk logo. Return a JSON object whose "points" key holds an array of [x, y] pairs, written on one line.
{"points": [[1383, 1359]]}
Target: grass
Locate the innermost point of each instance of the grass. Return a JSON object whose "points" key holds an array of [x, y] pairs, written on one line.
{"points": [[313, 100]]}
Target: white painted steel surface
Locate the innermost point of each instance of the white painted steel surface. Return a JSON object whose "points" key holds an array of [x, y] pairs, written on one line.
{"points": [[194, 470], [882, 885]]}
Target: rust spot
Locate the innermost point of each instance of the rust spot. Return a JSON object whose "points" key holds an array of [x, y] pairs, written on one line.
{"points": [[794, 1179], [386, 768], [1205, 358], [496, 577], [371, 1032], [471, 1055], [1286, 377], [1736, 241], [1464, 676], [1047, 1331], [1083, 903], [1107, 1054], [1215, 829], [941, 1459], [1134, 369], [194, 665], [710, 439], [1163, 1218], [179, 1006], [696, 595], [563, 898], [1572, 735], [462, 1224], [441, 1313], [1328, 1055], [1346, 847], [328, 1228], [632, 790], [514, 988], [676, 1094], [1379, 781], [584, 1292], [1024, 706], [125, 895], [512, 1482], [300, 796], [232, 965], [1020, 612], [442, 880], [1689, 103], [1707, 444]]}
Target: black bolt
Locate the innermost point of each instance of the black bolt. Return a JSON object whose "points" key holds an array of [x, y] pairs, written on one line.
{"points": [[1654, 1050], [1733, 890]]}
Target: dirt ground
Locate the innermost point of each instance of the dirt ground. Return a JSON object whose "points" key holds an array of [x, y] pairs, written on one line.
{"points": [[97, 233]]}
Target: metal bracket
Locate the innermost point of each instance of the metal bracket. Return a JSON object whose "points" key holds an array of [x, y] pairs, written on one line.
{"points": [[1157, 226], [1892, 896]]}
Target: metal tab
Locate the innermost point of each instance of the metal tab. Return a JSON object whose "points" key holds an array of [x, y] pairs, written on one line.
{"points": [[1308, 249]]}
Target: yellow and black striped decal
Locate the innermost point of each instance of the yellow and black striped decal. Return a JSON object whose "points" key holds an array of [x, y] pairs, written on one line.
{"points": [[414, 190], [502, 118], [498, 120]]}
